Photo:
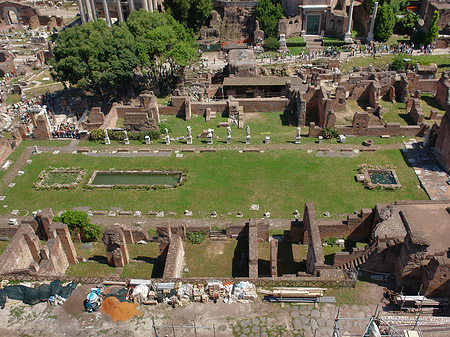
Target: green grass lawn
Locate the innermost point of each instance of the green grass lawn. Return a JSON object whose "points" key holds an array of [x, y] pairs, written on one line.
{"points": [[145, 263], [3, 245], [19, 150], [273, 124], [395, 112], [442, 61], [280, 181], [428, 103], [210, 259]]}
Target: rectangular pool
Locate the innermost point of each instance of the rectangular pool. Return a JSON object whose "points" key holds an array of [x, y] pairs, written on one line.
{"points": [[131, 178]]}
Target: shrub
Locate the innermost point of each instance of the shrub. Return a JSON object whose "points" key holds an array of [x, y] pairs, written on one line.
{"points": [[330, 241], [163, 126], [79, 221], [196, 238], [99, 134], [398, 62], [271, 43], [433, 30], [329, 133]]}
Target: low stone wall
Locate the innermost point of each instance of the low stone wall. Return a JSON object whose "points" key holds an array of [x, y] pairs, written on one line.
{"points": [[253, 249], [173, 267], [274, 258], [315, 258], [391, 129]]}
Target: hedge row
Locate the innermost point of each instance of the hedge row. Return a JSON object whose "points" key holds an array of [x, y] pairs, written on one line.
{"points": [[333, 43], [99, 134], [296, 44]]}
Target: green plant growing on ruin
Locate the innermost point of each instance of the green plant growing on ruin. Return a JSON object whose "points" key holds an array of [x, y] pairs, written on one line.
{"points": [[269, 12], [329, 133], [79, 221], [384, 23], [196, 238], [433, 30]]}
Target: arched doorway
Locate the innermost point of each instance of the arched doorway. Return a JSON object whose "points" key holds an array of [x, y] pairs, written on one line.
{"points": [[13, 19]]}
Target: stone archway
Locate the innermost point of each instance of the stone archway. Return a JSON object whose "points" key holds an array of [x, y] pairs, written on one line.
{"points": [[13, 18]]}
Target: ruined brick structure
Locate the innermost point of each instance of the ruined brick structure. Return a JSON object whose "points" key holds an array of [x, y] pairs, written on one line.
{"points": [[94, 119], [6, 62], [116, 246], [26, 253], [27, 15], [315, 17], [242, 63], [42, 130], [442, 143]]}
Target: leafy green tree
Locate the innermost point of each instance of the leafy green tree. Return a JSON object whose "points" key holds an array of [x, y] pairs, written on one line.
{"points": [[271, 43], [398, 62], [269, 12], [163, 46], [192, 13], [408, 21], [433, 30], [77, 220], [384, 23], [95, 57]]}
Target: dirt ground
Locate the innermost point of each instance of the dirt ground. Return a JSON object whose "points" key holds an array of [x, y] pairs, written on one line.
{"points": [[237, 319]]}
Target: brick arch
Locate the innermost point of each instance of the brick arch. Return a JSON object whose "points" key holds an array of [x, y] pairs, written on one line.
{"points": [[23, 12]]}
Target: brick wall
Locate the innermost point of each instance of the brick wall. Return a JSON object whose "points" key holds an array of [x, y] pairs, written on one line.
{"points": [[315, 258], [253, 249], [173, 267]]}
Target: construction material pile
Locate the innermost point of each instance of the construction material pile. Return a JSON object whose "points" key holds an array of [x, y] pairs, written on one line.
{"points": [[119, 311], [300, 295], [33, 296], [148, 292]]}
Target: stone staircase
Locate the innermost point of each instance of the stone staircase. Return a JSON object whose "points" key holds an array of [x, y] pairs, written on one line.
{"points": [[359, 259], [313, 42]]}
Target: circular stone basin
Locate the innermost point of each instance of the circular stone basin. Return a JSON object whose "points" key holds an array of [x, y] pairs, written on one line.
{"points": [[368, 142]]}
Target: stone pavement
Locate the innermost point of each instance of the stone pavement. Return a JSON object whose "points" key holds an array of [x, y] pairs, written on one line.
{"points": [[431, 175]]}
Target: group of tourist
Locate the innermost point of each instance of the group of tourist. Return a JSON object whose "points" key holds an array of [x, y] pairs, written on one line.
{"points": [[67, 130]]}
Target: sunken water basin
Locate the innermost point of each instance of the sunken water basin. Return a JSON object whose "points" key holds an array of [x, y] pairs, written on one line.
{"points": [[382, 177], [108, 179]]}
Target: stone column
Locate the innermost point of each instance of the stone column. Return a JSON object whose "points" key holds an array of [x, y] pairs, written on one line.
{"points": [[131, 5], [145, 5], [150, 5], [155, 5], [107, 15], [82, 13], [348, 34], [93, 10], [86, 8], [119, 10], [372, 22]]}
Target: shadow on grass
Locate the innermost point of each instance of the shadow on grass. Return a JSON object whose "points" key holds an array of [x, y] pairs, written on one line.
{"points": [[263, 268], [240, 258], [431, 101], [99, 259], [286, 264]]}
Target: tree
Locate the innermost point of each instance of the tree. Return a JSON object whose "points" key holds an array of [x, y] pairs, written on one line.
{"points": [[384, 23], [433, 30], [191, 13], [79, 221], [95, 57], [408, 22], [163, 46], [269, 12]]}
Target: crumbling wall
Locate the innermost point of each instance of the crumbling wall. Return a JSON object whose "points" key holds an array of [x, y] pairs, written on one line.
{"points": [[94, 119], [442, 145], [443, 91], [53, 257], [116, 246], [274, 258], [253, 249], [435, 280], [416, 112], [173, 266], [42, 129], [315, 258], [22, 250]]}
